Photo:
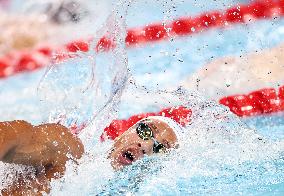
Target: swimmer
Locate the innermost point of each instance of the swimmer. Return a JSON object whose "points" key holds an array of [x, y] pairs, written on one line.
{"points": [[48, 147], [20, 32], [27, 31], [239, 75]]}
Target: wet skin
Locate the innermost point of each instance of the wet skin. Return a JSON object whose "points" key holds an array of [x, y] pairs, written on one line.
{"points": [[48, 147], [129, 147]]}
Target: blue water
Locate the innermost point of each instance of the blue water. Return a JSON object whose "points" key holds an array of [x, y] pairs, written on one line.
{"points": [[167, 63], [199, 167]]}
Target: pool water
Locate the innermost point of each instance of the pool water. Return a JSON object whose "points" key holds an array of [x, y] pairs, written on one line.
{"points": [[220, 153]]}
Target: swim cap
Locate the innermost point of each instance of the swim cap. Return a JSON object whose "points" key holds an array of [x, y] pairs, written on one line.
{"points": [[177, 114], [178, 129]]}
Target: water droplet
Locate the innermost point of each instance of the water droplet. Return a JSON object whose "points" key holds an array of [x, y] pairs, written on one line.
{"points": [[55, 143]]}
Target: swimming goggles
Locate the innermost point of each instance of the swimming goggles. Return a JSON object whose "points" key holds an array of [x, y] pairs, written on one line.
{"points": [[145, 133]]}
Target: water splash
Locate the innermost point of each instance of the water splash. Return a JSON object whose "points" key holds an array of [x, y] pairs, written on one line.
{"points": [[10, 173], [218, 154], [79, 88]]}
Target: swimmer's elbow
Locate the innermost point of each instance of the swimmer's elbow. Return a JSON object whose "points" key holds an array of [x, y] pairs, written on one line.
{"points": [[76, 148], [80, 150], [67, 142]]}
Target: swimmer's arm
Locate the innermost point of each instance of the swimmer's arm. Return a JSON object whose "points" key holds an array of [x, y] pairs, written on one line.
{"points": [[48, 145], [10, 136]]}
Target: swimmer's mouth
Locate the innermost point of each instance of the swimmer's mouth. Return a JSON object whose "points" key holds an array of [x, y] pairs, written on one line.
{"points": [[127, 157]]}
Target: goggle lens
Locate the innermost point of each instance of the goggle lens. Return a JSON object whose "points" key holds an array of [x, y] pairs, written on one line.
{"points": [[145, 132], [158, 147]]}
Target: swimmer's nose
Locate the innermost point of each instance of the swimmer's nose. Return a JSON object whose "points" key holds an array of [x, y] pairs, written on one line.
{"points": [[146, 147]]}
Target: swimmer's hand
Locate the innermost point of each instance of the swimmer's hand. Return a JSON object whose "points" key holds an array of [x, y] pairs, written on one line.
{"points": [[47, 145]]}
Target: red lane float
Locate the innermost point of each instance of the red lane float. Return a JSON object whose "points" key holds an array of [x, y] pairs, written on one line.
{"points": [[243, 13], [266, 100], [28, 61], [179, 114], [262, 101], [258, 102], [18, 62]]}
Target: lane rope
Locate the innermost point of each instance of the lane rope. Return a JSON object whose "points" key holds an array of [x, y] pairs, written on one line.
{"points": [[263, 101], [266, 100], [179, 114], [23, 61]]}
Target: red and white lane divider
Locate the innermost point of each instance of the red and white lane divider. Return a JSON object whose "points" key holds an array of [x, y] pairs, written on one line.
{"points": [[22, 61], [258, 102], [244, 13], [263, 101]]}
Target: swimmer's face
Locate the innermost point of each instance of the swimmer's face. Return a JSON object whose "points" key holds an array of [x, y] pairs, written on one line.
{"points": [[130, 147]]}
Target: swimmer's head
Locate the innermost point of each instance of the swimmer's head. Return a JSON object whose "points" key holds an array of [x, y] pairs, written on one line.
{"points": [[148, 136]]}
